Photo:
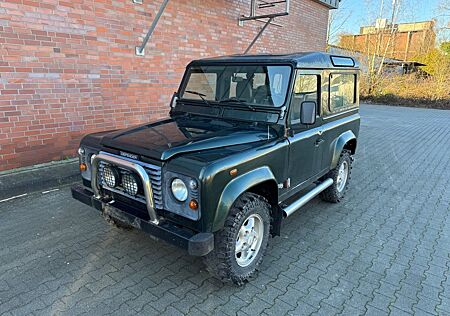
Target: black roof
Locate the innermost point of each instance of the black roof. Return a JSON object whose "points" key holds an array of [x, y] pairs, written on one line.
{"points": [[300, 60]]}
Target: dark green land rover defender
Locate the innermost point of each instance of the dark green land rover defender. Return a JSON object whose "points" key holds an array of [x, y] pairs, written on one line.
{"points": [[249, 140]]}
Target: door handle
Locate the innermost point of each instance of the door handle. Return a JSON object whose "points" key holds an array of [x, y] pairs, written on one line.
{"points": [[318, 142]]}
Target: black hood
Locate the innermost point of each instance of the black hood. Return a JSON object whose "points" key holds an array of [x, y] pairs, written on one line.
{"points": [[164, 139]]}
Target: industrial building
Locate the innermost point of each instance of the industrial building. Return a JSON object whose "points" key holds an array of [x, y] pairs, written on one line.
{"points": [[404, 41]]}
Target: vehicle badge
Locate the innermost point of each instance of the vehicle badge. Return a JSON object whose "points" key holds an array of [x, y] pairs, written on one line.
{"points": [[128, 155]]}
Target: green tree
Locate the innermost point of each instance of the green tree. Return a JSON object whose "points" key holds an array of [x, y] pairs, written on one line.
{"points": [[445, 46], [437, 62]]}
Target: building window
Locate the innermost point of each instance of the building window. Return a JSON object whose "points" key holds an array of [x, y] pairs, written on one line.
{"points": [[342, 92], [306, 88]]}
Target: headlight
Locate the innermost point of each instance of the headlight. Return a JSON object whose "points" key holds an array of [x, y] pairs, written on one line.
{"points": [[179, 190], [81, 151], [130, 184], [110, 176]]}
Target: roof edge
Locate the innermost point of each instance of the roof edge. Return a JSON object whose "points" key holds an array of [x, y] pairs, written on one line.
{"points": [[299, 60], [331, 4]]}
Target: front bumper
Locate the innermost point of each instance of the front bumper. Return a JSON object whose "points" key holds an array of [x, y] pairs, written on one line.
{"points": [[197, 244]]}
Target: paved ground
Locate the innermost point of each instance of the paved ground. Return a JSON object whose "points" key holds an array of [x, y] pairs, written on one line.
{"points": [[384, 250]]}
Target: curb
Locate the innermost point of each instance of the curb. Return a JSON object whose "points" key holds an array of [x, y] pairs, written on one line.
{"points": [[38, 178]]}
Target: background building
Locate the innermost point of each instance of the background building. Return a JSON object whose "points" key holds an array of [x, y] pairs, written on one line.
{"points": [[68, 68], [403, 41]]}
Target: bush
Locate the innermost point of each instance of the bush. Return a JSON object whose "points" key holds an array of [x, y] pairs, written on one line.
{"points": [[430, 89]]}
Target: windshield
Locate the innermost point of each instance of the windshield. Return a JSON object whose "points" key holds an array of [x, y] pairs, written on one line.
{"points": [[238, 84]]}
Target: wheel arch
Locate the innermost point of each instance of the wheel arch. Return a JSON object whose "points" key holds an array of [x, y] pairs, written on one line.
{"points": [[260, 181], [351, 145], [269, 190], [346, 140]]}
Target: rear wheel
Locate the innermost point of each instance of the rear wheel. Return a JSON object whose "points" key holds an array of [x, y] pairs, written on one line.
{"points": [[241, 244], [341, 176]]}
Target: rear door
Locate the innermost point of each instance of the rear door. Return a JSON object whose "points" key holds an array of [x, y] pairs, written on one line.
{"points": [[305, 151]]}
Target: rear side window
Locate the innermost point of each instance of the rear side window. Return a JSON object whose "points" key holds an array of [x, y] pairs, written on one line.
{"points": [[306, 88], [342, 92]]}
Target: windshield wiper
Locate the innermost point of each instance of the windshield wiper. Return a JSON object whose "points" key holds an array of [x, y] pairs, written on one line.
{"points": [[201, 95], [239, 101]]}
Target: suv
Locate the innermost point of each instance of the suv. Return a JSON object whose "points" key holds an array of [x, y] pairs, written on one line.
{"points": [[249, 140]]}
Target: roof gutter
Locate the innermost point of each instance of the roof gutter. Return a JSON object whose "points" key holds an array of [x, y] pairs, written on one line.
{"points": [[330, 4]]}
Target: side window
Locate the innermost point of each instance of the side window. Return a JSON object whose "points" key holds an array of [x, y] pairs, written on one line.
{"points": [[342, 92], [306, 88]]}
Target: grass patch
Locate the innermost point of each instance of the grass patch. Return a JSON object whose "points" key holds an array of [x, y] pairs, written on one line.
{"points": [[409, 90]]}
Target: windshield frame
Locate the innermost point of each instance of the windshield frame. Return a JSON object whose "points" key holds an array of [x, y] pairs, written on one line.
{"points": [[236, 104]]}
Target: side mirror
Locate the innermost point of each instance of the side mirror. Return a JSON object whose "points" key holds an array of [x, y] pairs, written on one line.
{"points": [[174, 100], [308, 112]]}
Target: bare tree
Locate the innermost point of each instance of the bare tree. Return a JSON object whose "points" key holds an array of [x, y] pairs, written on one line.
{"points": [[394, 16], [443, 15], [377, 47], [337, 19]]}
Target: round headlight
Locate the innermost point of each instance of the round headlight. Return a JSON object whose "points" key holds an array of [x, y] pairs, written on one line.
{"points": [[110, 176], [130, 184], [179, 190]]}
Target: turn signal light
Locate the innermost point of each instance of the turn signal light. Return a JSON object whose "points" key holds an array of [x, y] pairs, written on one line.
{"points": [[233, 172], [83, 167], [193, 204]]}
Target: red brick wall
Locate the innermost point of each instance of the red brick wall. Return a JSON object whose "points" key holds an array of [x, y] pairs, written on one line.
{"points": [[420, 42], [67, 67]]}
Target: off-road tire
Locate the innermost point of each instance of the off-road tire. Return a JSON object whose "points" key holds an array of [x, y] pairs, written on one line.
{"points": [[221, 262], [332, 194]]}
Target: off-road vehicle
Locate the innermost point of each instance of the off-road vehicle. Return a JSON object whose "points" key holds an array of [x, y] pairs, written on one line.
{"points": [[249, 140]]}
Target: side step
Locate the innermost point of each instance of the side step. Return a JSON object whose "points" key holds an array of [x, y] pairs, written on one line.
{"points": [[289, 210]]}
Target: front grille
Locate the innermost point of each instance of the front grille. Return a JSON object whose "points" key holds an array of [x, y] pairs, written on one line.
{"points": [[154, 173]]}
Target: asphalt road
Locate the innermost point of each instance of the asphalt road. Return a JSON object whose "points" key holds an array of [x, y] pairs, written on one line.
{"points": [[384, 250]]}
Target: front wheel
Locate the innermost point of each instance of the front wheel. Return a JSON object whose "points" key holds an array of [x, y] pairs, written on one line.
{"points": [[341, 176], [241, 244]]}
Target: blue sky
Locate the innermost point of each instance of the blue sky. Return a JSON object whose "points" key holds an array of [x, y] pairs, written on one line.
{"points": [[355, 13]]}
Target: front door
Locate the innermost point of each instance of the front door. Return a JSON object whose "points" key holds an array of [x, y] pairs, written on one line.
{"points": [[306, 142]]}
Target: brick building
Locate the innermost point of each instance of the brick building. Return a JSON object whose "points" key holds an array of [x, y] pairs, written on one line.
{"points": [[404, 41], [68, 67]]}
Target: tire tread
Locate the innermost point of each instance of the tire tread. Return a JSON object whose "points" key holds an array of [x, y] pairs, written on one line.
{"points": [[331, 194], [218, 262]]}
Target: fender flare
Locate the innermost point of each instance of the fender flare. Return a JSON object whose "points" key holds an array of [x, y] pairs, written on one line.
{"points": [[339, 144], [235, 188]]}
